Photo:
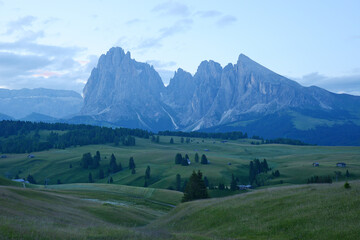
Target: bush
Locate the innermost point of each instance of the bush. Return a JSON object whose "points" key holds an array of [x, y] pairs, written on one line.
{"points": [[347, 185]]}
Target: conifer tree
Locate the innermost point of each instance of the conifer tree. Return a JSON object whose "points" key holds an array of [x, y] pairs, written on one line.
{"points": [[204, 159], [171, 141], [178, 158], [196, 157], [147, 172], [195, 188], [113, 167], [131, 163]]}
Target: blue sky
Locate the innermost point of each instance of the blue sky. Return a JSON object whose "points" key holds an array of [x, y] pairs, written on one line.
{"points": [[55, 44]]}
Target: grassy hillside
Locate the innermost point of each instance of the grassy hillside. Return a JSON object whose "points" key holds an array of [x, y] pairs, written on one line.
{"points": [[96, 211], [293, 162], [81, 211], [326, 211]]}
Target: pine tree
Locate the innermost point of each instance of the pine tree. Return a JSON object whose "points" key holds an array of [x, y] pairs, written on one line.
{"points": [[195, 188], [147, 172], [171, 141], [131, 163], [145, 183], [196, 157], [178, 158], [182, 140], [157, 139], [113, 165], [184, 161], [111, 180], [347, 173], [204, 159], [178, 182]]}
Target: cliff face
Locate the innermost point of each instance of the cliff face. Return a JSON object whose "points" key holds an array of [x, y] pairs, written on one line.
{"points": [[236, 97], [121, 90]]}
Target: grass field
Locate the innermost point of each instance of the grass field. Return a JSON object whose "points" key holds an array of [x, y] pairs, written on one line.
{"points": [[293, 162], [102, 211]]}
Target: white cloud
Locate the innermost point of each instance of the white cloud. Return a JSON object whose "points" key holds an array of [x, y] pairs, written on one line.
{"points": [[172, 8], [341, 84]]}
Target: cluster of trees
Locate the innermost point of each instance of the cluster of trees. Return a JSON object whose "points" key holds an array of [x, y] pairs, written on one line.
{"points": [[320, 179], [227, 135], [18, 136], [184, 161], [195, 188], [256, 167], [89, 162], [155, 139]]}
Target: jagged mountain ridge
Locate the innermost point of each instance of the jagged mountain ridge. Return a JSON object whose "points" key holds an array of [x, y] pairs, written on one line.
{"points": [[53, 103], [131, 94]]}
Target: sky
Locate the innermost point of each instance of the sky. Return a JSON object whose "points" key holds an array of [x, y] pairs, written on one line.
{"points": [[55, 44]]}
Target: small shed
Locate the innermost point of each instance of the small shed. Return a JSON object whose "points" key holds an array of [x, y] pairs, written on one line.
{"points": [[341, 164], [20, 180], [30, 156], [316, 164]]}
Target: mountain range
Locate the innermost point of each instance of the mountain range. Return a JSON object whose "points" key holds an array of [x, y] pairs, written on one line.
{"points": [[39, 103], [244, 96]]}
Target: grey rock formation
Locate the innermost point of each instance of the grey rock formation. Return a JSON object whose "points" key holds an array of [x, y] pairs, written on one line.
{"points": [[236, 97], [123, 91], [54, 103]]}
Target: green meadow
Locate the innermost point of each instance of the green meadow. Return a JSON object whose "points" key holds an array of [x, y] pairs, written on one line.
{"points": [[231, 157], [285, 208], [98, 211]]}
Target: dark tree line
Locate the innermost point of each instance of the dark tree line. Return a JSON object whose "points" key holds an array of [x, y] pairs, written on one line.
{"points": [[320, 179], [18, 138], [226, 135]]}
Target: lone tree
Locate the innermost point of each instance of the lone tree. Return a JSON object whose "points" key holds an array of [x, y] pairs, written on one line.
{"points": [[147, 173], [113, 167], [178, 158], [196, 157], [171, 140], [131, 163], [195, 188], [204, 159]]}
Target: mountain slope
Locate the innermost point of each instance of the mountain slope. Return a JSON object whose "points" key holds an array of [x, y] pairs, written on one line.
{"points": [[237, 97]]}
